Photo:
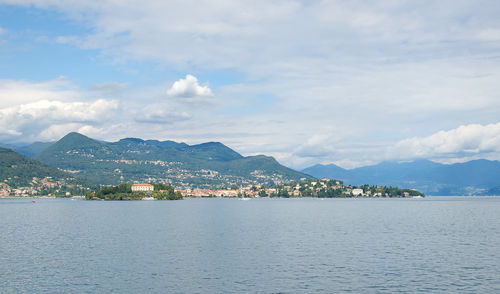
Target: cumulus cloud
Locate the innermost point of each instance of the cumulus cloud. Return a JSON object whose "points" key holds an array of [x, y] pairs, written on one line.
{"points": [[464, 140], [190, 90], [45, 119], [46, 111]]}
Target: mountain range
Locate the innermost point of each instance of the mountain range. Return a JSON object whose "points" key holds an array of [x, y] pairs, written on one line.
{"points": [[132, 159], [213, 164], [476, 177]]}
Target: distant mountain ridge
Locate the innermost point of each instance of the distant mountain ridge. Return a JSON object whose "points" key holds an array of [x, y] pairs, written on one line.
{"points": [[134, 159], [30, 150], [213, 163], [476, 177]]}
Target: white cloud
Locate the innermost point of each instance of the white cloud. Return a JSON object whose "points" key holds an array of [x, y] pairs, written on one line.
{"points": [[37, 120], [368, 74], [15, 92], [190, 90], [55, 111], [464, 140], [318, 145], [160, 114], [56, 131], [32, 111], [46, 111], [12, 132], [238, 34]]}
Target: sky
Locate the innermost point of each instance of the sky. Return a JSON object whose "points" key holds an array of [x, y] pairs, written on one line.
{"points": [[352, 83]]}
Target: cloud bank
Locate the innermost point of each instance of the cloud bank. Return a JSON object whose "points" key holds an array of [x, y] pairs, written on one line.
{"points": [[39, 120], [351, 82], [46, 111], [469, 140]]}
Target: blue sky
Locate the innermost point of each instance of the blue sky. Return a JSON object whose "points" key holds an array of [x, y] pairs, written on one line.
{"points": [[308, 82]]}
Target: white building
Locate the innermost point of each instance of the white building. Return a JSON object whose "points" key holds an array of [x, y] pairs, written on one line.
{"points": [[142, 187], [357, 192]]}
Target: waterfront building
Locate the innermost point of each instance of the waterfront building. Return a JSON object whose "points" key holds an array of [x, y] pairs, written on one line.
{"points": [[357, 192], [142, 187]]}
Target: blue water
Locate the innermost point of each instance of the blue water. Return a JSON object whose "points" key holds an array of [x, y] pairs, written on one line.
{"points": [[436, 244]]}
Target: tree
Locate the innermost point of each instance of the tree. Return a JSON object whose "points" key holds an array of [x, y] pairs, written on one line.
{"points": [[125, 188]]}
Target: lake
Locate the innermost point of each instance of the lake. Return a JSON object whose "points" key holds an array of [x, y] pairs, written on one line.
{"points": [[435, 244]]}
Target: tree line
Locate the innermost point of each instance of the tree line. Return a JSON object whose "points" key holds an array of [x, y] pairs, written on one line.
{"points": [[124, 192]]}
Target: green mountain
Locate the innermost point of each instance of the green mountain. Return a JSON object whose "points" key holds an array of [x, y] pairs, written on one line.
{"points": [[17, 170], [15, 165], [209, 164]]}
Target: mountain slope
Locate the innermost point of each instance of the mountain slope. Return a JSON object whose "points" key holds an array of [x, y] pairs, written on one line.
{"points": [[132, 159], [473, 177], [33, 149], [17, 170], [67, 152], [13, 164], [212, 151]]}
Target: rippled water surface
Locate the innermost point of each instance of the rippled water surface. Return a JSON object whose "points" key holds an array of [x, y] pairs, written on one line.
{"points": [[436, 244]]}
